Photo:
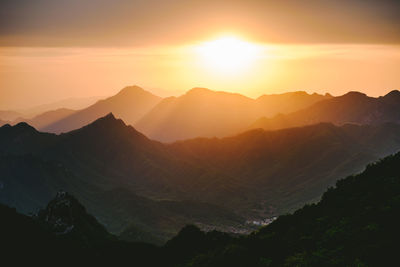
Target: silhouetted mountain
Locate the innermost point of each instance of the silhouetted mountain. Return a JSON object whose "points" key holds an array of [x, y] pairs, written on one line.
{"points": [[98, 158], [353, 107], [355, 224], [205, 113], [66, 217], [4, 122], [131, 103], [42, 120], [257, 174], [42, 241]]}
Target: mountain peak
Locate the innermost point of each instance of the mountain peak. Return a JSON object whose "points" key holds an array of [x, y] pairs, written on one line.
{"points": [[393, 94], [130, 90], [199, 90], [20, 128], [60, 213], [108, 120], [105, 123], [66, 215], [133, 91], [353, 94]]}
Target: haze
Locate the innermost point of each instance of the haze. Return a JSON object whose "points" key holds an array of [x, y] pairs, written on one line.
{"points": [[52, 50]]}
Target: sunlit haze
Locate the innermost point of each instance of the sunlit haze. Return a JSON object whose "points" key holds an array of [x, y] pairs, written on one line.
{"points": [[54, 50]]}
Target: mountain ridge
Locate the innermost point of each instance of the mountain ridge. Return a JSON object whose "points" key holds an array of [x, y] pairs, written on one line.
{"points": [[353, 107], [201, 112], [131, 103]]}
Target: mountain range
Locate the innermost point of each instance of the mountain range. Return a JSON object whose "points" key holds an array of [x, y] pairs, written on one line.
{"points": [[204, 113], [146, 190], [131, 103], [9, 115], [353, 107], [42, 120], [354, 224], [198, 113]]}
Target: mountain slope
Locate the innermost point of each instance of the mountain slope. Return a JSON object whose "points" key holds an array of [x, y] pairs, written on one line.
{"points": [[258, 174], [44, 119], [2, 122], [353, 107], [131, 103], [355, 224], [34, 240], [9, 115], [279, 171], [205, 113], [73, 103], [66, 217], [94, 161]]}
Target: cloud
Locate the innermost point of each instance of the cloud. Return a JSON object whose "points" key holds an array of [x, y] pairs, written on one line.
{"points": [[134, 23]]}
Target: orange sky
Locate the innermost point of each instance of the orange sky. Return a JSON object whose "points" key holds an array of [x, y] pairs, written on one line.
{"points": [[51, 50]]}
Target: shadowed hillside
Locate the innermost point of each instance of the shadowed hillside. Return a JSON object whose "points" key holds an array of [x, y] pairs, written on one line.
{"points": [[258, 174], [353, 107], [355, 224]]}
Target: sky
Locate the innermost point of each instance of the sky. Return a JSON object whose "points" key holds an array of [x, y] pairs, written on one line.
{"points": [[55, 49]]}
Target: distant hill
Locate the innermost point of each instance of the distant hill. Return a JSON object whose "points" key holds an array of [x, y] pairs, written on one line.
{"points": [[42, 120], [131, 103], [258, 174], [353, 107], [74, 103], [205, 113], [8, 115]]}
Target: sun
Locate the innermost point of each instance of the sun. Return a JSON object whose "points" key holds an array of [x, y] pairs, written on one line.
{"points": [[227, 55]]}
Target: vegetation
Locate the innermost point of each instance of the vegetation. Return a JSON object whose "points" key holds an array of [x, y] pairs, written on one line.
{"points": [[143, 190], [355, 224]]}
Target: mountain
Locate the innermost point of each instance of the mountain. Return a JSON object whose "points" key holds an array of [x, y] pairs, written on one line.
{"points": [[289, 102], [74, 103], [355, 224], [205, 113], [131, 103], [4, 122], [278, 171], [66, 217], [44, 119], [9, 115], [92, 163], [353, 107], [218, 183], [39, 240]]}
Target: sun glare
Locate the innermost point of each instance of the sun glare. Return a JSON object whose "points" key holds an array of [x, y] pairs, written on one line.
{"points": [[228, 55]]}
